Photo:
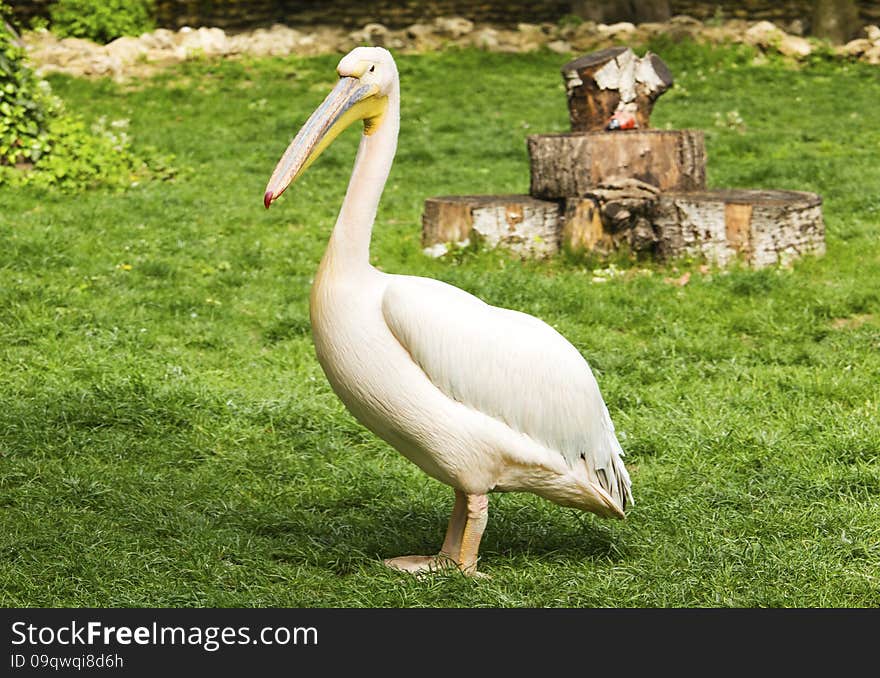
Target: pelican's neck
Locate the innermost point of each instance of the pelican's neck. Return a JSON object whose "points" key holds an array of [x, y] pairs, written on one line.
{"points": [[349, 248]]}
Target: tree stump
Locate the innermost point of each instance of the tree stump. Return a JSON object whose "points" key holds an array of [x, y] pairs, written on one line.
{"points": [[762, 227], [570, 165], [613, 81], [520, 223], [610, 217]]}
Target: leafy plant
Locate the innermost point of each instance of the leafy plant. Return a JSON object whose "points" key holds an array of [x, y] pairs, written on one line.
{"points": [[43, 144], [26, 102], [101, 20]]}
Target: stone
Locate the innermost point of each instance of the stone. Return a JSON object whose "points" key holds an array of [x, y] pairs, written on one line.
{"points": [[559, 47], [513, 42], [796, 27], [768, 35], [615, 30], [872, 56], [794, 46], [685, 20], [485, 38], [371, 34], [423, 36], [160, 39], [763, 34], [163, 46], [854, 48], [588, 29], [126, 50], [530, 37], [78, 45], [202, 41], [454, 27]]}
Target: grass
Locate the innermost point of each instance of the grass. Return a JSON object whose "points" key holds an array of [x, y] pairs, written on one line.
{"points": [[167, 437]]}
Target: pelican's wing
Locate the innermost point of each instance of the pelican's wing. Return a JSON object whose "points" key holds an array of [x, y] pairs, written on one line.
{"points": [[510, 366]]}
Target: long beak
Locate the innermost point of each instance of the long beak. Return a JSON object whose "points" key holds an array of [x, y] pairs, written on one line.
{"points": [[349, 101]]}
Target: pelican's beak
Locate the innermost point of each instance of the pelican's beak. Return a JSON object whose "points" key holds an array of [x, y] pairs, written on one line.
{"points": [[350, 100]]}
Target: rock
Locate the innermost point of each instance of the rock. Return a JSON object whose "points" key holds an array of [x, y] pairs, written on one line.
{"points": [[485, 38], [208, 41], [764, 34], [559, 47], [685, 20], [260, 43], [214, 41], [796, 27], [588, 29], [585, 36], [323, 40], [286, 33], [794, 46], [453, 27], [621, 27], [160, 39], [854, 48], [277, 41], [729, 31], [529, 37], [423, 36], [652, 28], [371, 34], [162, 46], [768, 35], [126, 50], [78, 45], [102, 65]]}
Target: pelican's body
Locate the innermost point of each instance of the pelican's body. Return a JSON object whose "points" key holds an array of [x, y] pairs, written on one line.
{"points": [[481, 398]]}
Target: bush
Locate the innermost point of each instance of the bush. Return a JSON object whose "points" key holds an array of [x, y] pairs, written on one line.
{"points": [[101, 20], [44, 145], [79, 157], [26, 103]]}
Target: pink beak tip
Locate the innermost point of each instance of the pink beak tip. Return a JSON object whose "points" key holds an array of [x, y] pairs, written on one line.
{"points": [[267, 199]]}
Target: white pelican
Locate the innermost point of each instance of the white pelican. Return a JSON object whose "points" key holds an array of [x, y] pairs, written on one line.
{"points": [[481, 398]]}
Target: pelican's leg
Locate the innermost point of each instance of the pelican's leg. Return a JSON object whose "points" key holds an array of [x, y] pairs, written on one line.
{"points": [[462, 536], [477, 517], [452, 543]]}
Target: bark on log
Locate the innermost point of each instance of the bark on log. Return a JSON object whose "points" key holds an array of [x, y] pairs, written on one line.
{"points": [[762, 227], [614, 80], [611, 217], [520, 223], [570, 165]]}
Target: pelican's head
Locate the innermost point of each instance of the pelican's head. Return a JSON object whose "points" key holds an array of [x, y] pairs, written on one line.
{"points": [[367, 75]]}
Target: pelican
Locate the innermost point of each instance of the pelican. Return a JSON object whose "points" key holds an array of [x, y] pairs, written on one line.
{"points": [[481, 398]]}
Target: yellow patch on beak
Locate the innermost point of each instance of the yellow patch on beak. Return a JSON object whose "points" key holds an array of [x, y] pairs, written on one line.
{"points": [[349, 101]]}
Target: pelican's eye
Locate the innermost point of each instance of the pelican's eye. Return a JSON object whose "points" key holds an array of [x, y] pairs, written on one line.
{"points": [[372, 68]]}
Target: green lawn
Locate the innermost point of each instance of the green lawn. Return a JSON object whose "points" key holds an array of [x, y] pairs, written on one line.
{"points": [[167, 437]]}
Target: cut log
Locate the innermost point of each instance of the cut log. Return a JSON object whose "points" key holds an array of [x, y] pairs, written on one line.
{"points": [[611, 83], [611, 217], [761, 227], [570, 165], [520, 223]]}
